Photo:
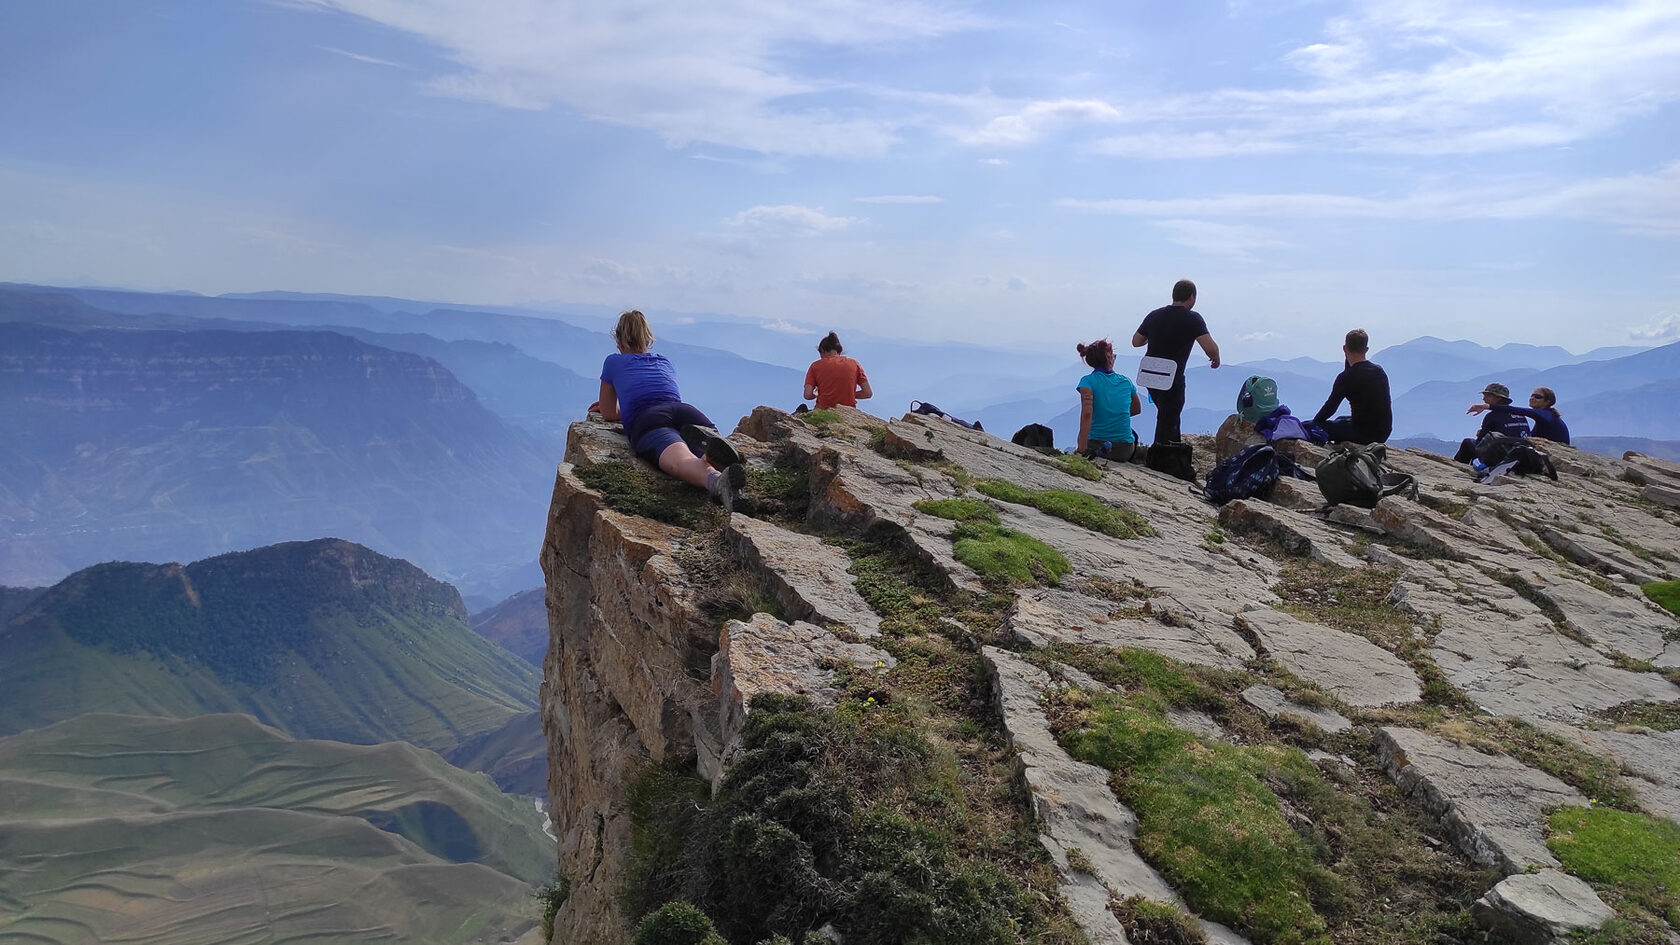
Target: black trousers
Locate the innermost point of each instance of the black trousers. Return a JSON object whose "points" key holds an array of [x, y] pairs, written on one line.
{"points": [[1466, 452], [1169, 404]]}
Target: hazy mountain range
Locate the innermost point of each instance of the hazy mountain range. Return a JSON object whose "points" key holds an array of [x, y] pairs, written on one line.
{"points": [[175, 426]]}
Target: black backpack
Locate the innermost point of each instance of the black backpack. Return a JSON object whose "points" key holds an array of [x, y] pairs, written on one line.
{"points": [[1174, 459], [1355, 475], [1035, 436], [1250, 474], [1494, 448]]}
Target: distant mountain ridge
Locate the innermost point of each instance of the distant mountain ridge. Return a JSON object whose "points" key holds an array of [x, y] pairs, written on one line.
{"points": [[171, 445], [321, 639]]}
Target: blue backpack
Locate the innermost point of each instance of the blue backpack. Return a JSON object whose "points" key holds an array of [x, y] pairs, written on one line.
{"points": [[1247, 475]]}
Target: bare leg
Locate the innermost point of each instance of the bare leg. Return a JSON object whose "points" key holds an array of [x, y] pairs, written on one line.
{"points": [[679, 461]]}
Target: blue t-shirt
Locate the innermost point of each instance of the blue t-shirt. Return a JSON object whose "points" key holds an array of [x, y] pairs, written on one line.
{"points": [[641, 381], [1547, 422], [1111, 405]]}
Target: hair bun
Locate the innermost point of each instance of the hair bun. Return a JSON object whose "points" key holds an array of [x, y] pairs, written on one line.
{"points": [[1080, 347]]}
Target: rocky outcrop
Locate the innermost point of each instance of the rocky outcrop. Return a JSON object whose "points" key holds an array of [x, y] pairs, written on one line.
{"points": [[1520, 598]]}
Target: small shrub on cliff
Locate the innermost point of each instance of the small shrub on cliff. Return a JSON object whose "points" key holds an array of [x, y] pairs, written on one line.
{"points": [[677, 923], [817, 822], [551, 898]]}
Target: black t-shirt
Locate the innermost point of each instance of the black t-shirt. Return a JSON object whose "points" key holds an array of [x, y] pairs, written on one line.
{"points": [[1172, 331], [1364, 384]]}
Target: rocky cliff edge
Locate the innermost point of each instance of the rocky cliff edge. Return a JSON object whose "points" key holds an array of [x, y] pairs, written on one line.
{"points": [[1470, 663]]}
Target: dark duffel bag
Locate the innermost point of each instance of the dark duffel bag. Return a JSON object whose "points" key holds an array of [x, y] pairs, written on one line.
{"points": [[1174, 459]]}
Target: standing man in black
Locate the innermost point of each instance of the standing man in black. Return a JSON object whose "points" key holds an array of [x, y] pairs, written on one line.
{"points": [[1364, 385], [1170, 332]]}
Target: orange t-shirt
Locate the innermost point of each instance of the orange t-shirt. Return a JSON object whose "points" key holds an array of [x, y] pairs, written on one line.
{"points": [[836, 380]]}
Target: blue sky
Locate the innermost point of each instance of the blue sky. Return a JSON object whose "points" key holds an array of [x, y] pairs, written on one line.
{"points": [[990, 172]]}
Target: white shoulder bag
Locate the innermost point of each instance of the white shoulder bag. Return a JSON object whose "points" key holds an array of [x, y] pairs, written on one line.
{"points": [[1157, 373]]}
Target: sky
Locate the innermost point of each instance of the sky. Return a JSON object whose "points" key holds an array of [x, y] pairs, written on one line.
{"points": [[1007, 174]]}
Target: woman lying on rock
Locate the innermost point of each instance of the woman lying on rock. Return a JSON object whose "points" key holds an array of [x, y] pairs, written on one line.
{"points": [[1542, 409], [1107, 403], [639, 388]]}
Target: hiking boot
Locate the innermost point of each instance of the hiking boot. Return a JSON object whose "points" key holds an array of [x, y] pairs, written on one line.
{"points": [[726, 488], [705, 441]]}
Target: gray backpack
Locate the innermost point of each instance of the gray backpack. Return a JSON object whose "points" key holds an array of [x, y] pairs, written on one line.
{"points": [[1355, 475]]}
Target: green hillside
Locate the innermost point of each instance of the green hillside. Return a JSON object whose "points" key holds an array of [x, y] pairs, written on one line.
{"points": [[322, 639], [218, 829]]}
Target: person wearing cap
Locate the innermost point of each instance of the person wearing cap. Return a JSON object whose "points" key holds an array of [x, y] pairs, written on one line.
{"points": [[1496, 421], [1542, 409]]}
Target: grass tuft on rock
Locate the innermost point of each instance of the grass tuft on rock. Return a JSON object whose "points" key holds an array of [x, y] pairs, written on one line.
{"points": [[1003, 556], [820, 418], [959, 510], [1076, 465], [1079, 508], [1156, 923], [639, 489], [1666, 594], [1636, 855]]}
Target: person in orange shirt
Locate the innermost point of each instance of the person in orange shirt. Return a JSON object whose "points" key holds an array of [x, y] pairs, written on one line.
{"points": [[835, 379]]}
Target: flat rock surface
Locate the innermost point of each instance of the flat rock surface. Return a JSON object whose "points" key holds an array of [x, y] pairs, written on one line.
{"points": [[1493, 806], [1541, 908], [1348, 666], [1274, 703], [812, 579]]}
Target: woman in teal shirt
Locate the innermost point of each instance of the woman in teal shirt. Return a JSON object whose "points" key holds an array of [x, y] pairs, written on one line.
{"points": [[1107, 403]]}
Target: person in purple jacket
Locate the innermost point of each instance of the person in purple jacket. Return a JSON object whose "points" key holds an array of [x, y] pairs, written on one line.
{"points": [[1542, 409], [639, 388], [1496, 421]]}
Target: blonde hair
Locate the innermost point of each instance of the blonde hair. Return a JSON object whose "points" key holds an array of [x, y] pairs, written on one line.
{"points": [[633, 331]]}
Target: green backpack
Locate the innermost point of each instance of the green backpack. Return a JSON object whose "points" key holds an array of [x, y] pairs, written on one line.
{"points": [[1257, 398]]}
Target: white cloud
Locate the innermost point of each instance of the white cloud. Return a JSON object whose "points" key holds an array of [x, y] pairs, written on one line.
{"points": [[790, 220], [1231, 240], [1198, 144], [361, 58], [901, 198], [783, 326], [1038, 119], [1259, 336], [1661, 330], [1642, 203], [720, 72]]}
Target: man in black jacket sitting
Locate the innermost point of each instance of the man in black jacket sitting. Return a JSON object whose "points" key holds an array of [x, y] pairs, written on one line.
{"points": [[1364, 385]]}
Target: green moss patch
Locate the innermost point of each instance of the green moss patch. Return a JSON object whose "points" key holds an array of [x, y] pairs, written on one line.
{"points": [[1661, 716], [1077, 507], [780, 492], [959, 510], [1637, 856], [820, 418], [1157, 923], [1075, 465], [1666, 594], [1003, 556], [1253, 834], [639, 489]]}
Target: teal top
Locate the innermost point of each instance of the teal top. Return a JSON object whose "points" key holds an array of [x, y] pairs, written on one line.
{"points": [[1111, 405]]}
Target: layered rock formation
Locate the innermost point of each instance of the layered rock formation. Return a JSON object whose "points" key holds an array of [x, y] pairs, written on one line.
{"points": [[1522, 600]]}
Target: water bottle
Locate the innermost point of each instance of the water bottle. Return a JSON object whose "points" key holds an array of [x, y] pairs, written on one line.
{"points": [[1478, 465]]}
